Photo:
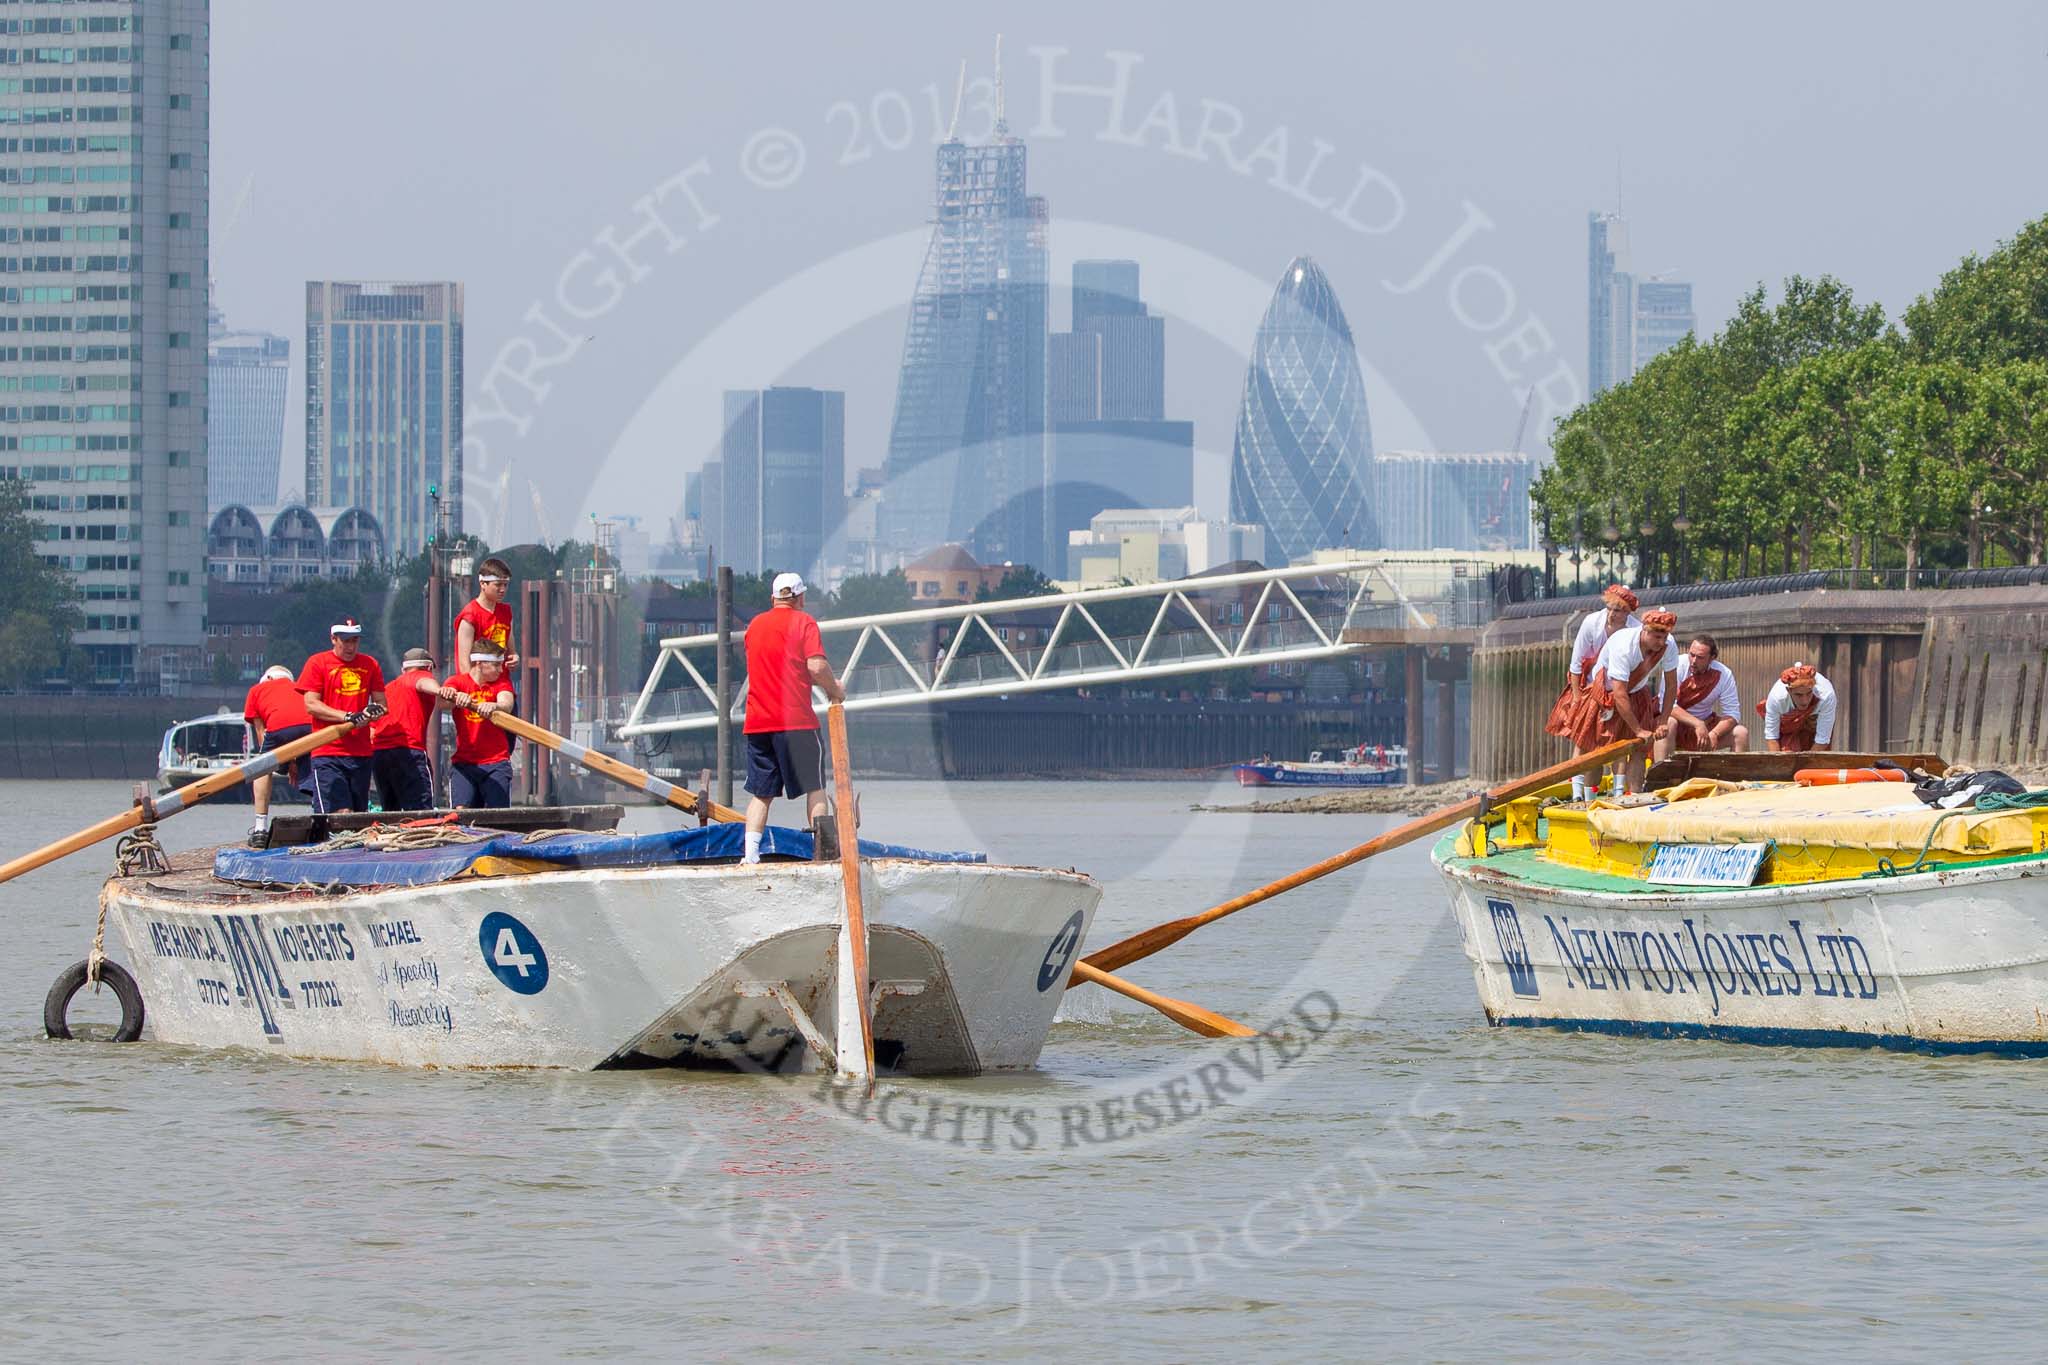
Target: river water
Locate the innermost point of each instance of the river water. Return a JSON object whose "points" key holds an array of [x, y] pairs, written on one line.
{"points": [[1402, 1180]]}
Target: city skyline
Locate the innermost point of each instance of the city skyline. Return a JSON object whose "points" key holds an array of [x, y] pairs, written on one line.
{"points": [[288, 215]]}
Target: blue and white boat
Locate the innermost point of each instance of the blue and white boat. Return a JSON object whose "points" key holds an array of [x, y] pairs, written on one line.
{"points": [[1367, 765]]}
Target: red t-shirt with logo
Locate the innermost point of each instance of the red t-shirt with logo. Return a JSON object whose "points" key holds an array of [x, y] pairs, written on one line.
{"points": [[781, 641], [276, 705], [492, 625], [345, 687], [476, 739], [404, 722]]}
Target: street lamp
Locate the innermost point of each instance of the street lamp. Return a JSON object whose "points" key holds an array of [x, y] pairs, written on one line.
{"points": [[1682, 524]]}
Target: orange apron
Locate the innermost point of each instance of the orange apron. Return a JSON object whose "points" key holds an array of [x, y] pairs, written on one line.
{"points": [[1696, 688], [1797, 729]]}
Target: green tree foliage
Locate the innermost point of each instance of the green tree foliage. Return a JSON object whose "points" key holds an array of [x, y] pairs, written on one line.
{"points": [[868, 595], [1810, 434], [1988, 310], [299, 630], [38, 604]]}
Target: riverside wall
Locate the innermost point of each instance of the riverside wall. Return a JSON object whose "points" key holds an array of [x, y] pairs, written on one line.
{"points": [[1959, 672]]}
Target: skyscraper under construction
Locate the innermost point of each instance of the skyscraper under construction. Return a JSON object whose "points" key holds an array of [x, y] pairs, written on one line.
{"points": [[967, 448]]}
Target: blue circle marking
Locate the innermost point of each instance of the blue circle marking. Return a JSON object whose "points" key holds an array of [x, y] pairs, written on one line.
{"points": [[513, 953], [1059, 954]]}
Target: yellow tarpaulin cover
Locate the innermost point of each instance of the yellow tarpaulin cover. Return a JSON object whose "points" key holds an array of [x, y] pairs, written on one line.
{"points": [[1866, 815]]}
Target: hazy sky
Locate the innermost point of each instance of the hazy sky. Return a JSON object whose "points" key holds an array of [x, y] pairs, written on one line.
{"points": [[787, 153]]}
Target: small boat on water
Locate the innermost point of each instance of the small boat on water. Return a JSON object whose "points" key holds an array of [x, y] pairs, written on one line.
{"points": [[1740, 903], [1366, 765], [206, 745], [511, 945]]}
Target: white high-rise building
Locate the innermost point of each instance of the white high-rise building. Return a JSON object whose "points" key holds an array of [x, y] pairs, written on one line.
{"points": [[384, 404], [103, 216]]}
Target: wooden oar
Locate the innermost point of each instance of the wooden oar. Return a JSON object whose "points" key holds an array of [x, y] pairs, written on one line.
{"points": [[1160, 936], [604, 765], [856, 1006], [1208, 1023], [170, 803]]}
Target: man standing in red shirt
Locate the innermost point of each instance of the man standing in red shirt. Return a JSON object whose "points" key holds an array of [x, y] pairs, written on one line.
{"points": [[343, 684], [277, 714], [480, 774], [487, 620], [398, 741], [785, 659]]}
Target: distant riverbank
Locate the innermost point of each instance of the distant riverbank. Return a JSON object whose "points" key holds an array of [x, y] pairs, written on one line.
{"points": [[1363, 800]]}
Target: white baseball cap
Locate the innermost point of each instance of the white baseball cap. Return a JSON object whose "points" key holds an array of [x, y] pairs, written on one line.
{"points": [[789, 585], [276, 671], [348, 625]]}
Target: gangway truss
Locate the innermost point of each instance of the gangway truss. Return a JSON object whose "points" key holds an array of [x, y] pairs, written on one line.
{"points": [[1063, 641]]}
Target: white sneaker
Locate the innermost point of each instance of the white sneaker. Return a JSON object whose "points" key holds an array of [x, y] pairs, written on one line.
{"points": [[750, 859]]}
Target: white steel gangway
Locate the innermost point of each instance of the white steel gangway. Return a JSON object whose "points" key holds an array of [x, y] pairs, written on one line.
{"points": [[1095, 637]]}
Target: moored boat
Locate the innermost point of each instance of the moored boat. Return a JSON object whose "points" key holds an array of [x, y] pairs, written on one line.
{"points": [[205, 745], [1363, 766], [1762, 911], [487, 948]]}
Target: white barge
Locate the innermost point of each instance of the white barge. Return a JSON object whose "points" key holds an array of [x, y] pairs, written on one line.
{"points": [[590, 950], [1763, 912]]}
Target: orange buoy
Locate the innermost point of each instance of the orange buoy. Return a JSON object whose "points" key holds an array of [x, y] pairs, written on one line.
{"points": [[1829, 777]]}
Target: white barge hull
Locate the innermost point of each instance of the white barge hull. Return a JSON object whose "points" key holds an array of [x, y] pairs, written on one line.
{"points": [[678, 965], [1935, 961]]}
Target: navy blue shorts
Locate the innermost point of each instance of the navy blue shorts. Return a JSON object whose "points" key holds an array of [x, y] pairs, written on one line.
{"points": [[405, 781], [784, 763], [299, 772], [340, 783], [480, 786]]}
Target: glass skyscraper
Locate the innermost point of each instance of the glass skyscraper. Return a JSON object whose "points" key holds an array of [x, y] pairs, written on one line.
{"points": [[967, 448], [246, 373], [1610, 304], [1302, 464], [103, 269], [384, 404], [1630, 319], [1663, 317], [781, 479]]}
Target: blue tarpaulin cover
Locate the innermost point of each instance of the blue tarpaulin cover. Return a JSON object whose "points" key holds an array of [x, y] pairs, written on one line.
{"points": [[420, 867]]}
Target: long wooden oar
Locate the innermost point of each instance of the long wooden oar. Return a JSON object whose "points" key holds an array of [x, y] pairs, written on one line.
{"points": [[1208, 1023], [856, 1006], [604, 765], [170, 803], [1160, 936]]}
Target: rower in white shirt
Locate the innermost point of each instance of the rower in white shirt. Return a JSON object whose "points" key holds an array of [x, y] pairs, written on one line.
{"points": [[1631, 674], [1704, 716], [1799, 714]]}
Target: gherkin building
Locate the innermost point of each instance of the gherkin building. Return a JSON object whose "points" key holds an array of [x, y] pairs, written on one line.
{"points": [[1302, 463]]}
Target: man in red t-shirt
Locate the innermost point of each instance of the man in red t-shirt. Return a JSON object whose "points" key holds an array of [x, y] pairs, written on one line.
{"points": [[398, 741], [480, 774], [343, 684], [785, 659], [487, 620], [277, 715]]}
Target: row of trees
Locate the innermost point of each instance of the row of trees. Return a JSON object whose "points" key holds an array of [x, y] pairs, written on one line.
{"points": [[38, 604], [1815, 434]]}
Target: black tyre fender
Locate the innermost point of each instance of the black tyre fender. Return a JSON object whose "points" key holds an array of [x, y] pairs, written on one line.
{"points": [[57, 1004]]}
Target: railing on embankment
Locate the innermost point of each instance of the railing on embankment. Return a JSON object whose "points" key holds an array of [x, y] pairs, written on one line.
{"points": [[1960, 671]]}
